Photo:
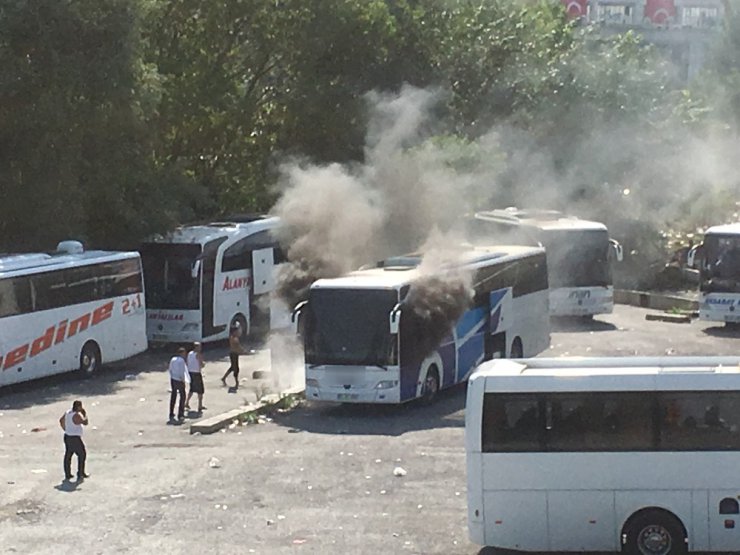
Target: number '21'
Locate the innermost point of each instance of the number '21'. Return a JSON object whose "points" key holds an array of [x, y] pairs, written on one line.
{"points": [[130, 304]]}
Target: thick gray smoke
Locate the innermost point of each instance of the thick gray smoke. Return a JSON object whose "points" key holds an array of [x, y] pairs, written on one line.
{"points": [[440, 296], [338, 218]]}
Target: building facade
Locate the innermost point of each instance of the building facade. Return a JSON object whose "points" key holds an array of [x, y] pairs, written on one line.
{"points": [[683, 29]]}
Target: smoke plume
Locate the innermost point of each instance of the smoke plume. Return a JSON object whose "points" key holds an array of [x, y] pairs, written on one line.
{"points": [[338, 217], [442, 294]]}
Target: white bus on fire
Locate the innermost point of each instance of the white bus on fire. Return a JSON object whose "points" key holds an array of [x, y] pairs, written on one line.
{"points": [[719, 274], [201, 280], [579, 255], [632, 454], [369, 338], [69, 310]]}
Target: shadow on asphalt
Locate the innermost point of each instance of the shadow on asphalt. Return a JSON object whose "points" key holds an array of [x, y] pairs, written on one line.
{"points": [[109, 379], [106, 382], [67, 486], [723, 331], [578, 323], [363, 419]]}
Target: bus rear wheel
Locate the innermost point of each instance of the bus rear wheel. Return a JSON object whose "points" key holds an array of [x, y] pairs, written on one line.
{"points": [[430, 387], [90, 359], [654, 533], [517, 351]]}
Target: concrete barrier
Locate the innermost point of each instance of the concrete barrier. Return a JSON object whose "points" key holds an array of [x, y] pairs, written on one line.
{"points": [[266, 404]]}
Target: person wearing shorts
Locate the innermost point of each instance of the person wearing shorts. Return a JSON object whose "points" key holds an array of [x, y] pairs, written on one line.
{"points": [[195, 369], [235, 349]]}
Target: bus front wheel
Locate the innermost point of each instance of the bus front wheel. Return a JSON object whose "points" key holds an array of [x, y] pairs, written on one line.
{"points": [[654, 533], [90, 359], [430, 386], [517, 351]]}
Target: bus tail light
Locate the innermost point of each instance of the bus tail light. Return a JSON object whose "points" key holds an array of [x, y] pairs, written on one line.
{"points": [[729, 523], [312, 382]]}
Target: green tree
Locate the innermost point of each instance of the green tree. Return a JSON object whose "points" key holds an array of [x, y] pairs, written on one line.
{"points": [[73, 139]]}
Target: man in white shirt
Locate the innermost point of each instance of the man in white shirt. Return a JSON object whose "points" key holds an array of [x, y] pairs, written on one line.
{"points": [[178, 378], [72, 422], [195, 367]]}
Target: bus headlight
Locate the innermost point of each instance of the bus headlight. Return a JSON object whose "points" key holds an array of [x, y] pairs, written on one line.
{"points": [[386, 384], [190, 327], [311, 382]]}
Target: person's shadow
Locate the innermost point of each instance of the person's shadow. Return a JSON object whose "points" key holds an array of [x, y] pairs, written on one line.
{"points": [[67, 486], [194, 414]]}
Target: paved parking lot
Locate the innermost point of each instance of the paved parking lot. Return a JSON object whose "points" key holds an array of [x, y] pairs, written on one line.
{"points": [[317, 479]]}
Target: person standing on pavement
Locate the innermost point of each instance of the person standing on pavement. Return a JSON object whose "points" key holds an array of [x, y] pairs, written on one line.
{"points": [[195, 367], [179, 377], [235, 349], [72, 422]]}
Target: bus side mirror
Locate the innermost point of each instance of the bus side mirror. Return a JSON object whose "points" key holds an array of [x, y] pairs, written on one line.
{"points": [[394, 319], [295, 317], [618, 250], [195, 269]]}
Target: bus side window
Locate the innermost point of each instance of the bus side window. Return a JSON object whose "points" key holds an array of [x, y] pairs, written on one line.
{"points": [[15, 296], [700, 420], [729, 506], [511, 423]]}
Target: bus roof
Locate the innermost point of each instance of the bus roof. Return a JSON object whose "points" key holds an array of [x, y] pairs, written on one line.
{"points": [[398, 271], [203, 233], [609, 374], [726, 229], [31, 263], [546, 220]]}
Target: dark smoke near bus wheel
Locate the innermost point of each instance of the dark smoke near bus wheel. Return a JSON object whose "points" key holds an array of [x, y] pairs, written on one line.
{"points": [[436, 304]]}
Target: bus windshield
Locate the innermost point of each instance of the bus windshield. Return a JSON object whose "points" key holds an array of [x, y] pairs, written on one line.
{"points": [[168, 275], [578, 258], [722, 263], [349, 326]]}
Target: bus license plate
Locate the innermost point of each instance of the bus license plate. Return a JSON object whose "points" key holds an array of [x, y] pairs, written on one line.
{"points": [[347, 396]]}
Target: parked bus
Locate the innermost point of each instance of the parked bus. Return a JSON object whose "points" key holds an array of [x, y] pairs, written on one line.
{"points": [[719, 274], [579, 255], [68, 310], [637, 455], [367, 340], [201, 280]]}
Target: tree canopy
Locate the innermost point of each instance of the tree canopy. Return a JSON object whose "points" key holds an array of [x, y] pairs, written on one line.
{"points": [[121, 118]]}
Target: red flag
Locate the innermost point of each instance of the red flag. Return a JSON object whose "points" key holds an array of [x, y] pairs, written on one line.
{"points": [[575, 8], [659, 11]]}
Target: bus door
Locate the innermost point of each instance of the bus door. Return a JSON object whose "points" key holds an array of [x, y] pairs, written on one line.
{"points": [[207, 269], [499, 315], [724, 520], [262, 283]]}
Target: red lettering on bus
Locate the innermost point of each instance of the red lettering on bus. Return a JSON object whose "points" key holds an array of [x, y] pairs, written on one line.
{"points": [[61, 331], [55, 335], [42, 343], [78, 324], [102, 313], [16, 356], [235, 283]]}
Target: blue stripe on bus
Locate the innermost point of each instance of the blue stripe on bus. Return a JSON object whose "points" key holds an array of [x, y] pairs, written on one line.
{"points": [[495, 299]]}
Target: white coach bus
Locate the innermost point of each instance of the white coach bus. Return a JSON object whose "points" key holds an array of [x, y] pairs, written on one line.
{"points": [[203, 279], [72, 309], [579, 255], [386, 334], [638, 455], [719, 274]]}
